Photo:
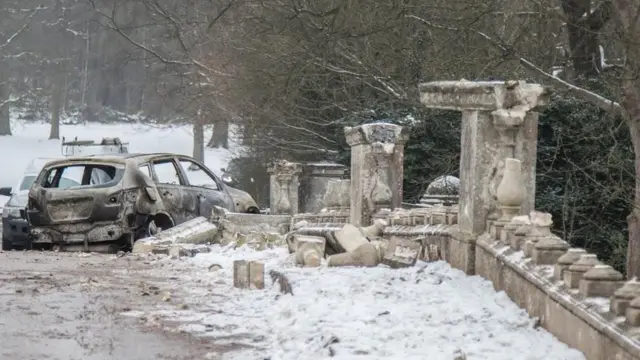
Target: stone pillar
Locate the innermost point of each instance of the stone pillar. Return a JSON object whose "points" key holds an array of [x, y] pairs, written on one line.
{"points": [[314, 181], [497, 123], [377, 161], [284, 187]]}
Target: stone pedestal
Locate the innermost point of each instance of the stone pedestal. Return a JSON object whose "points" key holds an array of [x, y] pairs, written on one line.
{"points": [[548, 250], [507, 234], [313, 184], [600, 281], [540, 229], [566, 260], [248, 274], [520, 237], [336, 196], [633, 312], [284, 182], [624, 296], [377, 163], [497, 123], [574, 273]]}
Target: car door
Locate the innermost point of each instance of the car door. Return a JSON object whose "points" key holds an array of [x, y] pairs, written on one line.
{"points": [[205, 187], [180, 204]]}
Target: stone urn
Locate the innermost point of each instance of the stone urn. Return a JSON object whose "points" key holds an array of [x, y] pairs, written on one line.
{"points": [[511, 190], [283, 205]]}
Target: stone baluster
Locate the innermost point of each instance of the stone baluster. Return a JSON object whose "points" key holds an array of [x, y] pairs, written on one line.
{"points": [[540, 229], [569, 258], [510, 194], [633, 312], [284, 187], [520, 236], [548, 250], [377, 160], [498, 122], [600, 281], [574, 273], [507, 234], [624, 296]]}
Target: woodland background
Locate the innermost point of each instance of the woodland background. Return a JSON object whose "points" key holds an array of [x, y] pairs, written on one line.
{"points": [[290, 74]]}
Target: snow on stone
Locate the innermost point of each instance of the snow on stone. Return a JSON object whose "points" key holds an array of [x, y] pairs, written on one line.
{"points": [[429, 311]]}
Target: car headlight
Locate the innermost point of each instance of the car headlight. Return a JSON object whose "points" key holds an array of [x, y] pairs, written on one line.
{"points": [[11, 211], [227, 178]]}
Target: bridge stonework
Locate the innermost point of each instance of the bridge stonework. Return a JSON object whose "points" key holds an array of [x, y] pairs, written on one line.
{"points": [[492, 230]]}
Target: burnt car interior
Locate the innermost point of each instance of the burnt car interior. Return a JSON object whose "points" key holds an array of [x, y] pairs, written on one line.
{"points": [[72, 176]]}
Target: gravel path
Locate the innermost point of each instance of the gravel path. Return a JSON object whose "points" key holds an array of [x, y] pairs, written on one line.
{"points": [[67, 306]]}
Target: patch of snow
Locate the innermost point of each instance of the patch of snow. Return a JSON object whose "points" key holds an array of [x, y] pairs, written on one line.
{"points": [[355, 313], [601, 304], [29, 141], [516, 257]]}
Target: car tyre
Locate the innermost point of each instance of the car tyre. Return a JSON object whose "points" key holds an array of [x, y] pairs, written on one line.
{"points": [[6, 245]]}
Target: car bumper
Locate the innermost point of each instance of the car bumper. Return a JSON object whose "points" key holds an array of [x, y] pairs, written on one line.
{"points": [[15, 231], [77, 234]]}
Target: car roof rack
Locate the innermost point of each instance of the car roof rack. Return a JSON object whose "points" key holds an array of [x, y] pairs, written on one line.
{"points": [[108, 145]]}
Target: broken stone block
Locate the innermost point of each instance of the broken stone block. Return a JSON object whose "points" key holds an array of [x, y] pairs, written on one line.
{"points": [[241, 274], [402, 252], [177, 251], [367, 255], [308, 255], [507, 234], [309, 250], [374, 230], [519, 237], [148, 245], [600, 281], [350, 237], [194, 231], [569, 258], [256, 275], [633, 312], [540, 229], [548, 250], [573, 274], [248, 274], [623, 296]]}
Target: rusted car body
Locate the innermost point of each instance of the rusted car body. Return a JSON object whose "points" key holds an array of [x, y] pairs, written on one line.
{"points": [[121, 198]]}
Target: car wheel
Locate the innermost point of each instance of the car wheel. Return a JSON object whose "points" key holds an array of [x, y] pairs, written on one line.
{"points": [[6, 245]]}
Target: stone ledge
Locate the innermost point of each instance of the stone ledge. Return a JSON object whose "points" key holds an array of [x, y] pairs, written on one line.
{"points": [[573, 306], [479, 95]]}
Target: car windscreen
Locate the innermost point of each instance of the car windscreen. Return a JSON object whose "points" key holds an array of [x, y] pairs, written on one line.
{"points": [[82, 175]]}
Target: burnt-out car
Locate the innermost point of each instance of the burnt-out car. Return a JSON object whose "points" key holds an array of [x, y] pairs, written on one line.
{"points": [[121, 198]]}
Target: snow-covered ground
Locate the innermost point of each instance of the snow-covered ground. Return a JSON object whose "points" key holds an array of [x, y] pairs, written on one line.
{"points": [[429, 311], [29, 140]]}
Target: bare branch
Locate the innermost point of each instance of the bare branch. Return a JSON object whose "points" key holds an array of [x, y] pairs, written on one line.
{"points": [[509, 53]]}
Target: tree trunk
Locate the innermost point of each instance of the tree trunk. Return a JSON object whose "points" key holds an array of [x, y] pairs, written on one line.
{"points": [[56, 105], [584, 34], [198, 141], [220, 136], [633, 220], [5, 118]]}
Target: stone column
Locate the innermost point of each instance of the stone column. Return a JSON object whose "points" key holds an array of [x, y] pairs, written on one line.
{"points": [[377, 161], [284, 187], [497, 123]]}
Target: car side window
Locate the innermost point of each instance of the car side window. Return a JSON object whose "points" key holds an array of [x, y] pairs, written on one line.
{"points": [[166, 172], [197, 175], [145, 170]]}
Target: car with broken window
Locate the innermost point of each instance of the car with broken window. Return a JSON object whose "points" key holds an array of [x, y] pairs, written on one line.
{"points": [[15, 228], [123, 197]]}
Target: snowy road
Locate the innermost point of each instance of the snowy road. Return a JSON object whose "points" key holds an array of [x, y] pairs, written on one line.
{"points": [[429, 311], [95, 307]]}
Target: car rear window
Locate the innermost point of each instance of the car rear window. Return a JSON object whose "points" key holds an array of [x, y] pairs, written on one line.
{"points": [[82, 175]]}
